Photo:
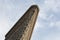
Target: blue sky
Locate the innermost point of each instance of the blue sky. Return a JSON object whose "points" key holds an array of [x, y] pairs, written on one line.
{"points": [[48, 23]]}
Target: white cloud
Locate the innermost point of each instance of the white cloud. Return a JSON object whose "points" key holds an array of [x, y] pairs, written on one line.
{"points": [[52, 24], [53, 36], [9, 14], [38, 25], [58, 24], [55, 24], [43, 15], [52, 4], [3, 28]]}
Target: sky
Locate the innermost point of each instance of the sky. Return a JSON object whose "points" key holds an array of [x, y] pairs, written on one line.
{"points": [[47, 26]]}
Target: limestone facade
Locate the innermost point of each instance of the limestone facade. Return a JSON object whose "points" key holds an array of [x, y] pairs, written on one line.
{"points": [[23, 29]]}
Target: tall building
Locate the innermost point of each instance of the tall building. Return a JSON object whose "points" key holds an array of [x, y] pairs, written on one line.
{"points": [[23, 29]]}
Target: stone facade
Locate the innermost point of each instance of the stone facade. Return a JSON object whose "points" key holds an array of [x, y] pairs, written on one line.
{"points": [[23, 29]]}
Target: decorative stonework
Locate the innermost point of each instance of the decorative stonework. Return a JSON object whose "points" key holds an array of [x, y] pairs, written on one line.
{"points": [[23, 29]]}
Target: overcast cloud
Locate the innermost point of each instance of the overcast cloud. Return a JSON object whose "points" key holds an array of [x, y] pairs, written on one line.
{"points": [[48, 23]]}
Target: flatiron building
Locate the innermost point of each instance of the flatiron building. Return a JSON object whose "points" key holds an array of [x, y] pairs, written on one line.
{"points": [[23, 29]]}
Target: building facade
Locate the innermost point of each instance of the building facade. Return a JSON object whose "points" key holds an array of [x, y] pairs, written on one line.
{"points": [[23, 29]]}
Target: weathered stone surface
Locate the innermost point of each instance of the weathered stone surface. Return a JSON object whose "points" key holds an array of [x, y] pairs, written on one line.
{"points": [[23, 29]]}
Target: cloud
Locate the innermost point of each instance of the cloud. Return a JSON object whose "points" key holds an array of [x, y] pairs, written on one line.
{"points": [[58, 24], [12, 10], [52, 24], [52, 36], [55, 24], [52, 4], [4, 26], [49, 11]]}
